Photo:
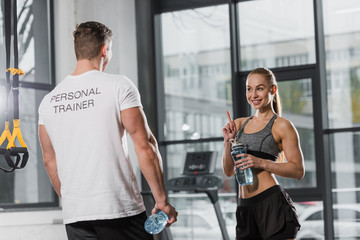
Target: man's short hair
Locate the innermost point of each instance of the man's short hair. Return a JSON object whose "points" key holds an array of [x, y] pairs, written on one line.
{"points": [[89, 37]]}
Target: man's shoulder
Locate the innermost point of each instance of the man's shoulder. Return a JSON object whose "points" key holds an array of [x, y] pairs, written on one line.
{"points": [[122, 81], [121, 78]]}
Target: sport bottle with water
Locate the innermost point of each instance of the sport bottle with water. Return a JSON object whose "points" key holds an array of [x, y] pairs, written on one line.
{"points": [[155, 223], [244, 177]]}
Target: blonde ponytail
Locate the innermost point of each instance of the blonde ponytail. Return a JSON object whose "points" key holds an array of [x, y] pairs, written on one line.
{"points": [[276, 103]]}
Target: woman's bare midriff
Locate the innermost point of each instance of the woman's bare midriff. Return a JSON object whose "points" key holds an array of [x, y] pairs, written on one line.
{"points": [[262, 181]]}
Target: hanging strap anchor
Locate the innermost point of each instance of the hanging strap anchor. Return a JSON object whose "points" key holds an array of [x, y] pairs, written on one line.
{"points": [[14, 71]]}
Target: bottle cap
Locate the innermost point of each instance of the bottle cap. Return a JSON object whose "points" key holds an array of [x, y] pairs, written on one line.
{"points": [[235, 143]]}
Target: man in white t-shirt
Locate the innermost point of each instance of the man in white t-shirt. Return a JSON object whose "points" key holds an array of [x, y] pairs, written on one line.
{"points": [[82, 130]]}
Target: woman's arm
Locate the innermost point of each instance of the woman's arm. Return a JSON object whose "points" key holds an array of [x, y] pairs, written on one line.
{"points": [[229, 132], [227, 162]]}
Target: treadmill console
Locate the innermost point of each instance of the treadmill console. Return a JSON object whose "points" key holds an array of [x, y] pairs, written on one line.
{"points": [[199, 163]]}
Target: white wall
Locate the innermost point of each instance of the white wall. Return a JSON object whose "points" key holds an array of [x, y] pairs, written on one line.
{"points": [[119, 15]]}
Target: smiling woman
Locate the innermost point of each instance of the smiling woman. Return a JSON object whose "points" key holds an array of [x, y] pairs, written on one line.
{"points": [[266, 135]]}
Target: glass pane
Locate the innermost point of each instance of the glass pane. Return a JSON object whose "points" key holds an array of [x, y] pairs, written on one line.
{"points": [[31, 184], [197, 72], [297, 106], [197, 218], [346, 220], [311, 218], [342, 25], [276, 33], [33, 42], [345, 160]]}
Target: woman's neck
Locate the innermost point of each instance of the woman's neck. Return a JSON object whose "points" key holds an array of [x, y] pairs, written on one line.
{"points": [[264, 114]]}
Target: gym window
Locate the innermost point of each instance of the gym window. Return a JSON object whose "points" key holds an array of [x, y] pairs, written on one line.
{"points": [[29, 187]]}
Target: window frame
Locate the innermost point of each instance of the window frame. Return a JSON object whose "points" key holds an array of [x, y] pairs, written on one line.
{"points": [[317, 72], [49, 56]]}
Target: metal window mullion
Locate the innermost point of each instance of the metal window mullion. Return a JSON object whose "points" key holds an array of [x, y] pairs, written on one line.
{"points": [[51, 38], [160, 88], [37, 86], [186, 141], [144, 14], [322, 141], [241, 107], [176, 5], [341, 130]]}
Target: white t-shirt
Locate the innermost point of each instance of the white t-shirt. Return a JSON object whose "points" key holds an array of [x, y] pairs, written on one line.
{"points": [[82, 118]]}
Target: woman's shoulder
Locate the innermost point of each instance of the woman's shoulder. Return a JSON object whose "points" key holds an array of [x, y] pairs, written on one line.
{"points": [[283, 125], [240, 121]]}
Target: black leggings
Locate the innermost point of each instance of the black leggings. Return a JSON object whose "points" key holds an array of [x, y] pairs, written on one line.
{"points": [[270, 215]]}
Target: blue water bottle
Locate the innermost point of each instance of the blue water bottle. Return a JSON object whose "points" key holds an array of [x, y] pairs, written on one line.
{"points": [[155, 223], [244, 177]]}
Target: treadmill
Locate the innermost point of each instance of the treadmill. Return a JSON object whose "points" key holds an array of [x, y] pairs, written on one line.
{"points": [[198, 177]]}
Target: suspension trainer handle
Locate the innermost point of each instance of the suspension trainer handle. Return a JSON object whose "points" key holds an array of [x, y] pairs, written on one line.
{"points": [[18, 152], [16, 158]]}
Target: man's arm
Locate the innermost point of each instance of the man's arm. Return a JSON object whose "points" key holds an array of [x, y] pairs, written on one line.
{"points": [[150, 162], [49, 158]]}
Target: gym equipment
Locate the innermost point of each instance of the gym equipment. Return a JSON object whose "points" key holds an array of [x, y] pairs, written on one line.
{"points": [[199, 177], [16, 157]]}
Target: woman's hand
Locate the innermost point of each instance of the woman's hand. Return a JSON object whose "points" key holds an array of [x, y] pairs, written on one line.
{"points": [[229, 130], [248, 161]]}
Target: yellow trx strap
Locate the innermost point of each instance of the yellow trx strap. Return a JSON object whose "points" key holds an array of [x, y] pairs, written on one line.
{"points": [[16, 129], [15, 157], [6, 135], [16, 133]]}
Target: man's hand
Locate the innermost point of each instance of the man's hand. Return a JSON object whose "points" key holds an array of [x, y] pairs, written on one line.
{"points": [[169, 210]]}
